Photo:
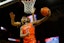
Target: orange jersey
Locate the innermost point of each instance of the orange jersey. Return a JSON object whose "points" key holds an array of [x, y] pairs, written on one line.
{"points": [[29, 27]]}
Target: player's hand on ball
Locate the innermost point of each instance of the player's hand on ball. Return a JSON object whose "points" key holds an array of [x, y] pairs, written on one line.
{"points": [[45, 11], [12, 15], [49, 12]]}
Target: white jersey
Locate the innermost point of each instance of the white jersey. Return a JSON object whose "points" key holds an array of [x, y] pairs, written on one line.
{"points": [[31, 18]]}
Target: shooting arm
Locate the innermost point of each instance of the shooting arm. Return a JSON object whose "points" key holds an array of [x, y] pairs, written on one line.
{"points": [[40, 21]]}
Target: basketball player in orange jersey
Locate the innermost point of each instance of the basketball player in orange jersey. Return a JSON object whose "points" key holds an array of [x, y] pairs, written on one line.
{"points": [[27, 30]]}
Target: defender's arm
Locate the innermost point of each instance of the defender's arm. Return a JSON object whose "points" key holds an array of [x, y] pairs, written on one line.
{"points": [[12, 16], [15, 23]]}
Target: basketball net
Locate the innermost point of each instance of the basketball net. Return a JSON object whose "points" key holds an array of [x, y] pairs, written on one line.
{"points": [[28, 6]]}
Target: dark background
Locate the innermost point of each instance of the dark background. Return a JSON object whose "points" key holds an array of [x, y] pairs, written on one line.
{"points": [[54, 26], [2, 0]]}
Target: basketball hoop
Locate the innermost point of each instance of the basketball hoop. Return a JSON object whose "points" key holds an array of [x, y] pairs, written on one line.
{"points": [[28, 6]]}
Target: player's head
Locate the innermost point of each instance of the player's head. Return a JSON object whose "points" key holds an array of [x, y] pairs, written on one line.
{"points": [[25, 20]]}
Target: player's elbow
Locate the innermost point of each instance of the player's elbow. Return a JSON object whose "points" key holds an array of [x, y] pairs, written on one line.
{"points": [[16, 24], [13, 24]]}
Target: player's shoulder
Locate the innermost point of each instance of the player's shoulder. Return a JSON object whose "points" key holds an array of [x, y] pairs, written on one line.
{"points": [[22, 26]]}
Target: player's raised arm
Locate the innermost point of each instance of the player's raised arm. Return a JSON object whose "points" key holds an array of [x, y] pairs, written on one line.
{"points": [[37, 22], [12, 16]]}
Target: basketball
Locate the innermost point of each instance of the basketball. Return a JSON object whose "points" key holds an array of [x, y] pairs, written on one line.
{"points": [[45, 11]]}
